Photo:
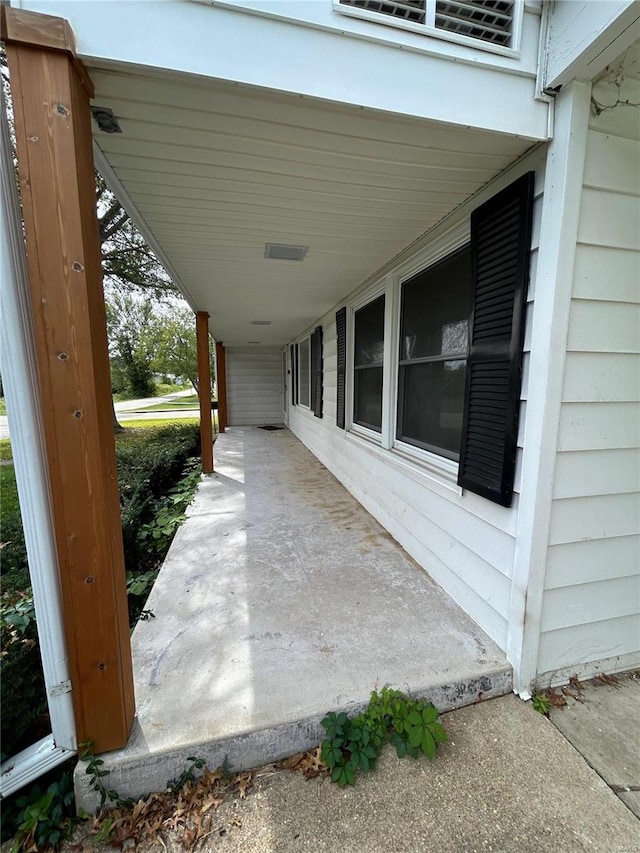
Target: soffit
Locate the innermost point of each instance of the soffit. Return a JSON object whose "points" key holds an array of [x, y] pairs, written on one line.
{"points": [[217, 171]]}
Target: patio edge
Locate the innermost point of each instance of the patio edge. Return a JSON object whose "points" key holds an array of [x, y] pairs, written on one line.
{"points": [[135, 773]]}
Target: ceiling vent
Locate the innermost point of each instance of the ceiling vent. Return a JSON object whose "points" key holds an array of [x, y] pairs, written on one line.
{"points": [[282, 252], [261, 322]]}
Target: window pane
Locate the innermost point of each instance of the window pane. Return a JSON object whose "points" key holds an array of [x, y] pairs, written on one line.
{"points": [[367, 397], [369, 333], [431, 404], [435, 309], [304, 372]]}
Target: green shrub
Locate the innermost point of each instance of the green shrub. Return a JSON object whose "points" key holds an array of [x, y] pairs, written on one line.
{"points": [[156, 485], [353, 744]]}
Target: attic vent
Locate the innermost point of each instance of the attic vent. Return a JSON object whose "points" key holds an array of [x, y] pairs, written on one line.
{"points": [[409, 10], [280, 252], [487, 20]]}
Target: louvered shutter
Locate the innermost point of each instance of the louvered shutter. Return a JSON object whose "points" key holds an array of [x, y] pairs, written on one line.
{"points": [[341, 342], [500, 241], [316, 372], [292, 355]]}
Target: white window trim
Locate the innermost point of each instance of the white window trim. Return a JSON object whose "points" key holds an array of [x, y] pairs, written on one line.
{"points": [[432, 31], [426, 464], [362, 300]]}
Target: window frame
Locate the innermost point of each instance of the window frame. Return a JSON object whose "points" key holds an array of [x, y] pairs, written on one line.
{"points": [[363, 299], [362, 367], [430, 30], [404, 441]]}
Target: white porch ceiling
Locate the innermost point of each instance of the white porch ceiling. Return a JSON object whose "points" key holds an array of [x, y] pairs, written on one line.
{"points": [[216, 171]]}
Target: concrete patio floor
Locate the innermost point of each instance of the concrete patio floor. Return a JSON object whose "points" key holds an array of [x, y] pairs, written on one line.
{"points": [[281, 598]]}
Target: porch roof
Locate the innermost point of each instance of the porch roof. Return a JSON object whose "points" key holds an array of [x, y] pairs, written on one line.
{"points": [[250, 129], [214, 172], [281, 598]]}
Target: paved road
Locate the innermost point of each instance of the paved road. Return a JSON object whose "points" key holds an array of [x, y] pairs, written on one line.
{"points": [[130, 410]]}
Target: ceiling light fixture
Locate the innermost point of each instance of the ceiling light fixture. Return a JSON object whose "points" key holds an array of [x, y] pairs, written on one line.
{"points": [[282, 252]]}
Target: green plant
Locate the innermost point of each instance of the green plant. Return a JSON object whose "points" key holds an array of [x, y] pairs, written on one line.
{"points": [[168, 512], [45, 819], [97, 774], [353, 744], [541, 704], [187, 775]]}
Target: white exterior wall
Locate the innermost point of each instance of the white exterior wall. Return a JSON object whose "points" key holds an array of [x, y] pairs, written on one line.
{"points": [[320, 54], [591, 604], [254, 385], [465, 542]]}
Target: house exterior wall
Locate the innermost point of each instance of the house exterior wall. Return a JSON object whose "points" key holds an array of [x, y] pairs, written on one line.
{"points": [[465, 542], [254, 386], [320, 54], [591, 603]]}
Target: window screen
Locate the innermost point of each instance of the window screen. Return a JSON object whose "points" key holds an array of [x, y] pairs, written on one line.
{"points": [[368, 359], [434, 345]]}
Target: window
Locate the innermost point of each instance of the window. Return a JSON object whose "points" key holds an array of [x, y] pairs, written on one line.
{"points": [[434, 345], [304, 363], [367, 364], [316, 372], [459, 358], [488, 21]]}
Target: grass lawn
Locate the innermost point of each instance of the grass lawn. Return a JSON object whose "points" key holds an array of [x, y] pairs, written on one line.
{"points": [[3, 407], [190, 402], [131, 425], [8, 491], [145, 424]]}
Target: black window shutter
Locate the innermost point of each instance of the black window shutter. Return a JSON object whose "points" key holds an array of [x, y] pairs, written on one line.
{"points": [[292, 354], [341, 341], [500, 243], [316, 372]]}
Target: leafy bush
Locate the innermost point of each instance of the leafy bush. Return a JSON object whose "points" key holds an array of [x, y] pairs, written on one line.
{"points": [[43, 818], [353, 744], [156, 485], [147, 471]]}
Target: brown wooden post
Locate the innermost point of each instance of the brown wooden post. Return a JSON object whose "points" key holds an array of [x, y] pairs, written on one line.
{"points": [[221, 384], [51, 91], [204, 393]]}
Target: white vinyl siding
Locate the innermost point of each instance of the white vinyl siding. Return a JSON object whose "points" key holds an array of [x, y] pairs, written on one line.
{"points": [[465, 542], [591, 605], [254, 385]]}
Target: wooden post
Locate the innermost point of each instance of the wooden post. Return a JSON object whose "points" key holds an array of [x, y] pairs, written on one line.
{"points": [[221, 383], [51, 91], [204, 385]]}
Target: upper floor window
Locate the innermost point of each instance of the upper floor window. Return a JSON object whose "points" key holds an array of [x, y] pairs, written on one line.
{"points": [[490, 21], [368, 358]]}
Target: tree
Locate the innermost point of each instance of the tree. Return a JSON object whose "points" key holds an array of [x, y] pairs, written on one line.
{"points": [[127, 261], [134, 335], [177, 354], [130, 269]]}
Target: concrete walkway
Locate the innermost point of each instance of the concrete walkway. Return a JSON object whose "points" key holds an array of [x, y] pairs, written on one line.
{"points": [[281, 599], [602, 721], [507, 781]]}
